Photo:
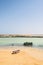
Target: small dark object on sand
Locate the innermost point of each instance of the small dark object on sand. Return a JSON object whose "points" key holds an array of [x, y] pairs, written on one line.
{"points": [[15, 52]]}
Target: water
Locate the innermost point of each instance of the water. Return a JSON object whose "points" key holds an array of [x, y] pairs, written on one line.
{"points": [[37, 42]]}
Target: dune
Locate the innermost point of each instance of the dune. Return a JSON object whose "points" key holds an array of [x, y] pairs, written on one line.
{"points": [[26, 56]]}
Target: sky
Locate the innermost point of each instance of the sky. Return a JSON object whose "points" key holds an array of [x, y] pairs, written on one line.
{"points": [[21, 16]]}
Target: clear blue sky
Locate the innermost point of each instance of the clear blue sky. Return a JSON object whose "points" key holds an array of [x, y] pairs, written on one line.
{"points": [[21, 16]]}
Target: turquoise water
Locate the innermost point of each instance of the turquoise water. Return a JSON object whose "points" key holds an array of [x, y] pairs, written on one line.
{"points": [[20, 41]]}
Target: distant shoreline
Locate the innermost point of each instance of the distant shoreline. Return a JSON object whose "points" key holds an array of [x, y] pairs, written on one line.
{"points": [[17, 35]]}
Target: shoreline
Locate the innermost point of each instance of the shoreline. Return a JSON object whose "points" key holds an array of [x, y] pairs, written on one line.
{"points": [[11, 47], [21, 35]]}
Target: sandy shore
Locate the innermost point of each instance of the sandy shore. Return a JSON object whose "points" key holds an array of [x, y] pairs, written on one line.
{"points": [[26, 56]]}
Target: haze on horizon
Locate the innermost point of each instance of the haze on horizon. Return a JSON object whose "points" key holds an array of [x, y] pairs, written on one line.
{"points": [[21, 16]]}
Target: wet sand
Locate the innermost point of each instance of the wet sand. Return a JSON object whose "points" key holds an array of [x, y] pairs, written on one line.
{"points": [[26, 56]]}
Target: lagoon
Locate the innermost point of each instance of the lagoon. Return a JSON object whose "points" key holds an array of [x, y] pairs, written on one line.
{"points": [[20, 41]]}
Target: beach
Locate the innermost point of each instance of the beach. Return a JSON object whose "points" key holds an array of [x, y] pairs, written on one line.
{"points": [[26, 56]]}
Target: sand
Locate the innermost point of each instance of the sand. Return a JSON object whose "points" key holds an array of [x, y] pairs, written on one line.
{"points": [[26, 56]]}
